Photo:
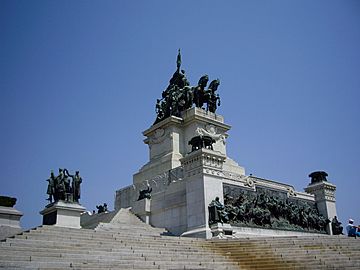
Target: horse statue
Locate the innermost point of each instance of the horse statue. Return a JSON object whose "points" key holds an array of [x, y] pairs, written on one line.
{"points": [[199, 91], [213, 86], [211, 98]]}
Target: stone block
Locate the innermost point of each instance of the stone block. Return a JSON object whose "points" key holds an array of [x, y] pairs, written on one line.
{"points": [[10, 217], [221, 230], [9, 221], [62, 214], [142, 209], [324, 193]]}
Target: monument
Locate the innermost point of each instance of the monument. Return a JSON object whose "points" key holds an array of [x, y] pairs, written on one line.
{"points": [[64, 208], [189, 175]]}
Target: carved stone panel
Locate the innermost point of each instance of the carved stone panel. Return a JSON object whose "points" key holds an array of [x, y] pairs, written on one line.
{"points": [[269, 208]]}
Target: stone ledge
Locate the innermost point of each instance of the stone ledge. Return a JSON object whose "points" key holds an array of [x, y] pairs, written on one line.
{"points": [[244, 232], [10, 217], [10, 211]]}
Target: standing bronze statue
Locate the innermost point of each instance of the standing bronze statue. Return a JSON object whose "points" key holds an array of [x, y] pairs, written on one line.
{"points": [[60, 189], [51, 188], [217, 212], [75, 185]]}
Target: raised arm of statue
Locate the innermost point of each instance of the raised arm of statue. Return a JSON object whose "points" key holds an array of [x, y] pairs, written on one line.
{"points": [[66, 172]]}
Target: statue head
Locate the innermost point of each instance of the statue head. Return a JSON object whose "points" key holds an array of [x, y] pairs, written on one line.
{"points": [[203, 81], [214, 85]]}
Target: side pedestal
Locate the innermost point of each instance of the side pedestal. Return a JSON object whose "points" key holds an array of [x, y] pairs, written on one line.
{"points": [[142, 209], [203, 172], [9, 221], [221, 230], [10, 217], [63, 214], [324, 193]]}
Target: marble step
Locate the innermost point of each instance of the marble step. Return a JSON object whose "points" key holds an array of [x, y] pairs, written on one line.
{"points": [[117, 265], [26, 254], [41, 235], [97, 245], [141, 247], [58, 250]]}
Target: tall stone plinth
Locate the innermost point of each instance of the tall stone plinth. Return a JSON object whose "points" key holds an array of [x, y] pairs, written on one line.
{"points": [[9, 216], [141, 208], [63, 214], [168, 141], [324, 193], [9, 221], [180, 196], [203, 173]]}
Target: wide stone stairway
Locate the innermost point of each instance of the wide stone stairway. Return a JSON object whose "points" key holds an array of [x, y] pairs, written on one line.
{"points": [[127, 243]]}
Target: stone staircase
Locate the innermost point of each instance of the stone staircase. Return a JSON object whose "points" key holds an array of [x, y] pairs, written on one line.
{"points": [[295, 252], [124, 219], [127, 243]]}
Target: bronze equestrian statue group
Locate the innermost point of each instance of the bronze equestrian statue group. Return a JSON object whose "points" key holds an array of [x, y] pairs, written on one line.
{"points": [[180, 96]]}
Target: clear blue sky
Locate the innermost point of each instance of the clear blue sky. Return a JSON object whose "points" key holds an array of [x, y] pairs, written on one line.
{"points": [[79, 81]]}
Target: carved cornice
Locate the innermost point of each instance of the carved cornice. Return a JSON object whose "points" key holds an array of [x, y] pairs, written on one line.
{"points": [[200, 115], [322, 191], [169, 121], [251, 182], [203, 161], [213, 172], [234, 176]]}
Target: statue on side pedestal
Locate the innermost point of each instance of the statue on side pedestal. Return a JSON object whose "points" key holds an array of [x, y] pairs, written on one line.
{"points": [[336, 226], [217, 212], [145, 193], [200, 141], [317, 177], [60, 187], [7, 201]]}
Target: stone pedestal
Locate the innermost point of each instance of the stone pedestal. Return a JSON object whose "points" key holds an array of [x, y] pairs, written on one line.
{"points": [[168, 141], [183, 182], [63, 214], [9, 222], [324, 193], [221, 230], [142, 209], [10, 217], [203, 172]]}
